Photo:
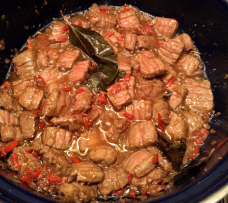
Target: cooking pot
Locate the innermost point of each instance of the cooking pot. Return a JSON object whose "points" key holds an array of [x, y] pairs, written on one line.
{"points": [[204, 21]]}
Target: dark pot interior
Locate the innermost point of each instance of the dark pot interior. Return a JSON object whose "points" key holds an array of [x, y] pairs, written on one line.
{"points": [[204, 21]]}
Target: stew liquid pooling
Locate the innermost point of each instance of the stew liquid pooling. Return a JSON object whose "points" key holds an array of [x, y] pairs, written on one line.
{"points": [[92, 98]]}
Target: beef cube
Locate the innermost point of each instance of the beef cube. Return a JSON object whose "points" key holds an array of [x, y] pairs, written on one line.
{"points": [[130, 40], [188, 64], [20, 85], [80, 71], [28, 124], [147, 42], [10, 133], [56, 137], [42, 60], [114, 179], [56, 31], [67, 58], [48, 75], [161, 107], [166, 27], [177, 128], [124, 66], [6, 117], [31, 98], [186, 39], [141, 134]]}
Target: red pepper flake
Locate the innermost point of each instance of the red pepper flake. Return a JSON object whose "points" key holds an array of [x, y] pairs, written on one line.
{"points": [[86, 123], [75, 159], [129, 116], [133, 193], [35, 154], [67, 89], [129, 177], [104, 10], [36, 174], [15, 66], [80, 90], [115, 88], [29, 151], [196, 151], [43, 81], [222, 143], [29, 44], [107, 35], [40, 175], [102, 94], [102, 100], [138, 70], [77, 23], [92, 67], [171, 81], [155, 158], [54, 179], [120, 41], [2, 151], [151, 30], [161, 126], [200, 132], [125, 9], [42, 125], [118, 192], [65, 28], [37, 111], [60, 40], [11, 146], [28, 171], [159, 43], [5, 84], [15, 162], [127, 77], [145, 192], [24, 178]]}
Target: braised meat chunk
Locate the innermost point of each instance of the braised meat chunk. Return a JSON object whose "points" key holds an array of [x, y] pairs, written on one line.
{"points": [[6, 117]]}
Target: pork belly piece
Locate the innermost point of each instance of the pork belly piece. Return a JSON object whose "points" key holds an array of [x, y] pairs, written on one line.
{"points": [[25, 63], [9, 103], [150, 89], [130, 40], [147, 42], [139, 163], [86, 172], [71, 123], [51, 86], [57, 103], [78, 191], [177, 128], [128, 20], [42, 60], [141, 134], [67, 58], [171, 50], [186, 39], [114, 37], [115, 178], [48, 75], [83, 100], [166, 27], [6, 117], [80, 71], [169, 74], [124, 66], [53, 55], [161, 107], [188, 64], [20, 85], [131, 87], [94, 114], [200, 97], [28, 124], [10, 133], [55, 159], [31, 98], [140, 109], [56, 31], [178, 95], [119, 96], [101, 20], [26, 160], [56, 137], [103, 155]]}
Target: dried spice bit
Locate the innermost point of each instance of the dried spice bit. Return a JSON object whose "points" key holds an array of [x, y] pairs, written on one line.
{"points": [[2, 45], [3, 17], [7, 61], [26, 27], [37, 12], [226, 76], [212, 130], [218, 114], [213, 142]]}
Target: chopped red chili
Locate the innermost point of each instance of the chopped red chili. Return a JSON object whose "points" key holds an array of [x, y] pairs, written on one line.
{"points": [[65, 28], [37, 111], [115, 88], [60, 40], [28, 171], [15, 162], [159, 43], [36, 174], [15, 66], [42, 125], [80, 90], [86, 123], [222, 143], [92, 67], [5, 84], [2, 151], [77, 23], [145, 192], [125, 9], [103, 100], [104, 10], [11, 146], [155, 158], [107, 35], [25, 178], [133, 193], [203, 136], [35, 154], [29, 151], [118, 192], [151, 30], [171, 81], [129, 177], [161, 126], [74, 138], [75, 159], [127, 77], [67, 89], [196, 151], [43, 81], [54, 179], [129, 116]]}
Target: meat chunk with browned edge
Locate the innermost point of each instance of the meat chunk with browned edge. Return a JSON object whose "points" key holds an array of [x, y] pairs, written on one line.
{"points": [[131, 87], [20, 85], [171, 50], [141, 134], [119, 96], [10, 133], [56, 137], [147, 42], [115, 178], [177, 128], [57, 103], [86, 172], [80, 71], [200, 97], [130, 40], [67, 58], [169, 74], [56, 31], [188, 64], [139, 163], [101, 20], [42, 60], [25, 63], [83, 100], [78, 192], [161, 107], [31, 97], [28, 124], [186, 39], [124, 66], [48, 75], [103, 155], [57, 160], [178, 94], [9, 103], [140, 109], [166, 27], [6, 117]]}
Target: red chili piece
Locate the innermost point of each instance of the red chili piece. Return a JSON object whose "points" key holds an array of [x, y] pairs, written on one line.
{"points": [[171, 81], [222, 143], [28, 171], [103, 100], [133, 193], [151, 30], [11, 146], [107, 35], [92, 67], [161, 126], [86, 123], [196, 151], [104, 10], [115, 88], [159, 43], [60, 40], [80, 90], [155, 158], [75, 159], [29, 151], [15, 66], [129, 116], [77, 23], [54, 179], [118, 192], [129, 177], [5, 84], [203, 133], [125, 9], [35, 154], [42, 125], [37, 111], [25, 178], [65, 28], [67, 89], [15, 162], [36, 174], [145, 192], [127, 77], [43, 81]]}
